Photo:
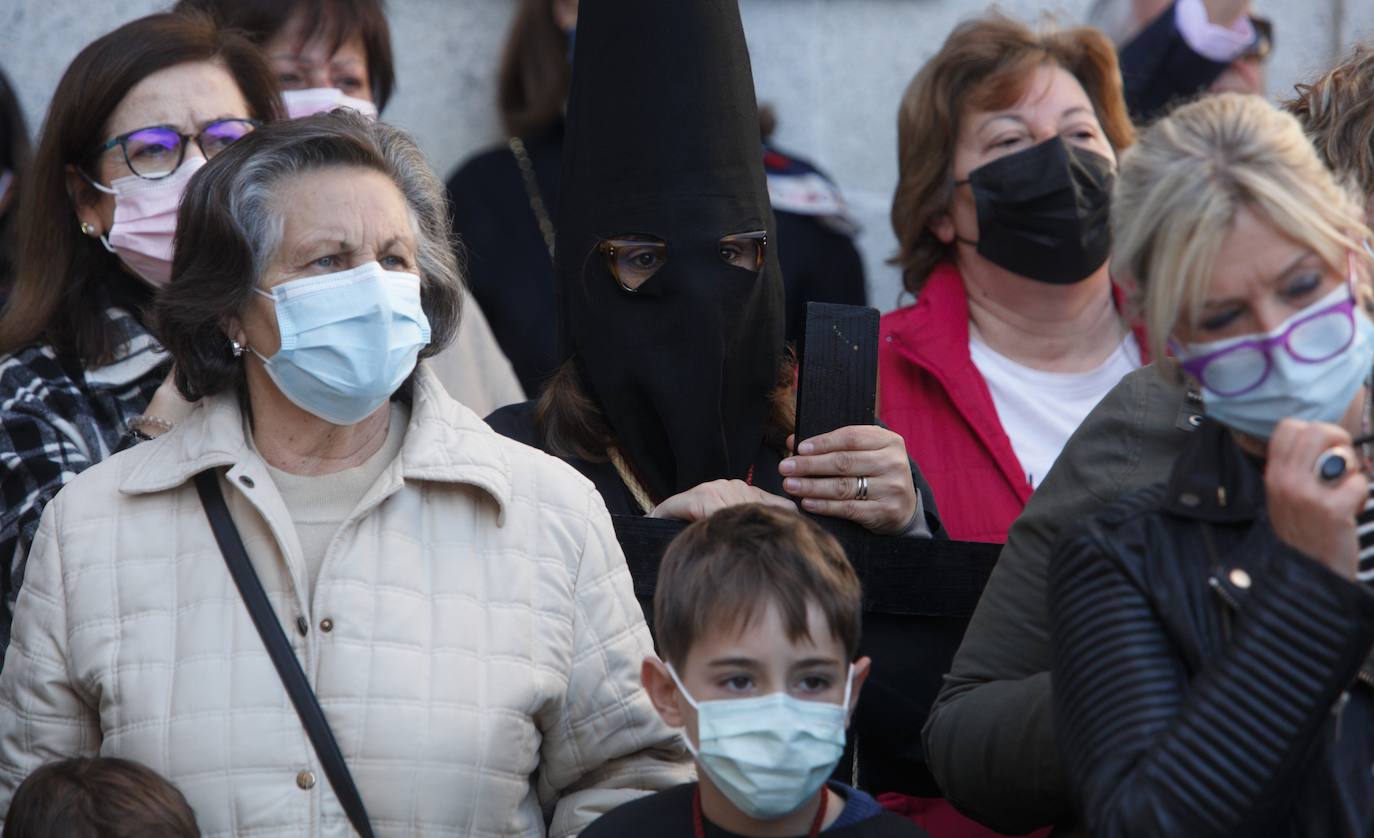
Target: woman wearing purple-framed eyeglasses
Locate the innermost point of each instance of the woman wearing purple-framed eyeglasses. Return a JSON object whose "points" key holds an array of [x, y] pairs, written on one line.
{"points": [[1212, 633], [1247, 376], [136, 114]]}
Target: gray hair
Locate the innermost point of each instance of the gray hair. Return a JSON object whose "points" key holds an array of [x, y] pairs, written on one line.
{"points": [[230, 225]]}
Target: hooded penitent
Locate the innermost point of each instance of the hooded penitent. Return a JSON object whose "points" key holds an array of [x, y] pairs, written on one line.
{"points": [[663, 144]]}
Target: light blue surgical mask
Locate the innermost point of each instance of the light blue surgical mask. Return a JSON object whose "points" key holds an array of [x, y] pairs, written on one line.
{"points": [[768, 754], [1315, 391], [348, 340]]}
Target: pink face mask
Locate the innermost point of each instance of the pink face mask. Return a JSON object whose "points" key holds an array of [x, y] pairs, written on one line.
{"points": [[315, 100], [145, 220]]}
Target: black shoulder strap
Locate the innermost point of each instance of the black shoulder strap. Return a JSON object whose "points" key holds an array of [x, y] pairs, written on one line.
{"points": [[279, 648]]}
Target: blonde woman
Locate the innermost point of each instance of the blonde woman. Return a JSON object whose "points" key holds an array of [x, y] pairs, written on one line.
{"points": [[1210, 631]]}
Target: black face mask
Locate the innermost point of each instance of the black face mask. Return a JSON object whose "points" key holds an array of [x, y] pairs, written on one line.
{"points": [[662, 142], [1043, 213]]}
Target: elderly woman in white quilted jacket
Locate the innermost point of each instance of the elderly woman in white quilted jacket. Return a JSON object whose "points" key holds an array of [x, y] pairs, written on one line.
{"points": [[457, 601]]}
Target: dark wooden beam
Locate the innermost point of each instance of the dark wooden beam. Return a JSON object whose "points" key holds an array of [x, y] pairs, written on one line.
{"points": [[901, 576]]}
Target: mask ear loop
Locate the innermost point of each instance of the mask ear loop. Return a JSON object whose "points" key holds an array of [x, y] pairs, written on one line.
{"points": [[676, 680], [93, 182], [108, 191], [958, 238], [685, 738], [848, 693], [1362, 307]]}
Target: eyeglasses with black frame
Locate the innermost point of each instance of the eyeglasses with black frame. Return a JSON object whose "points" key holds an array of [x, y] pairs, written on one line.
{"points": [[155, 152], [634, 259]]}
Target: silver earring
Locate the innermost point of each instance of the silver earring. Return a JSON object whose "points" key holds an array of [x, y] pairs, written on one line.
{"points": [[236, 348], [87, 229]]}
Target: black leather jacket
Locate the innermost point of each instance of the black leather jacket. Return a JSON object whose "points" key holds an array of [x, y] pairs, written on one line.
{"points": [[1207, 678]]}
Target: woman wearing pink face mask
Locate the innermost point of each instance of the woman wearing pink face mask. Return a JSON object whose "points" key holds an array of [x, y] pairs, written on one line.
{"points": [[135, 115], [326, 53]]}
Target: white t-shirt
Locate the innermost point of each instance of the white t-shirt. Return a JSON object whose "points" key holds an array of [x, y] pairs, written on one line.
{"points": [[1039, 410]]}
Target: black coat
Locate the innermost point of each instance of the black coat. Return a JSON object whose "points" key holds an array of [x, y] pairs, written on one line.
{"points": [[508, 267], [1207, 677]]}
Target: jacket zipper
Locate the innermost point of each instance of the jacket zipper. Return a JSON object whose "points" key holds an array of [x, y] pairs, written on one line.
{"points": [[1338, 711], [1223, 593], [1226, 598]]}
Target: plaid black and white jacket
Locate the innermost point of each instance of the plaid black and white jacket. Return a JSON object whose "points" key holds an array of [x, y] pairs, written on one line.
{"points": [[56, 420]]}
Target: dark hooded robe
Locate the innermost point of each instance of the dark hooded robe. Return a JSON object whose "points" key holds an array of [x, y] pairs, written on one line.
{"points": [[662, 141]]}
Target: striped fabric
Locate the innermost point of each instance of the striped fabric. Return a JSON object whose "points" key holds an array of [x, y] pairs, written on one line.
{"points": [[1365, 530], [56, 420]]}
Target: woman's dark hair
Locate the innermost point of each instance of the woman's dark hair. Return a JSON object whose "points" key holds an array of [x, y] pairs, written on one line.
{"points": [[60, 280], [102, 797], [535, 72], [570, 424], [334, 20], [14, 158], [229, 225]]}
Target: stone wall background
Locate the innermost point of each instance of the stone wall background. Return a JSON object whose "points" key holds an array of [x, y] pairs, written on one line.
{"points": [[833, 69]]}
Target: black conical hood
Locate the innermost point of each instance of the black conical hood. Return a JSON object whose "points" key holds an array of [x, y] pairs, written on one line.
{"points": [[663, 141]]}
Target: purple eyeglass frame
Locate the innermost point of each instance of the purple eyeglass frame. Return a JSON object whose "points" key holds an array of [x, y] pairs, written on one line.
{"points": [[1197, 367]]}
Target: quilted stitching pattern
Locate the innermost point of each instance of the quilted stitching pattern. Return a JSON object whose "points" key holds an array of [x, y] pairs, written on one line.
{"points": [[481, 674]]}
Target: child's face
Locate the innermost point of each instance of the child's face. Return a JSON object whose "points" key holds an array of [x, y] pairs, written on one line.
{"points": [[753, 660]]}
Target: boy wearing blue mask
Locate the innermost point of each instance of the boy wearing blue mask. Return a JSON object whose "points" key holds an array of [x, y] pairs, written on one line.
{"points": [[757, 614]]}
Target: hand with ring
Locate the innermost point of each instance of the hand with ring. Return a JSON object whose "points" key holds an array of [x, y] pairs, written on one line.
{"points": [[1314, 492], [860, 473]]}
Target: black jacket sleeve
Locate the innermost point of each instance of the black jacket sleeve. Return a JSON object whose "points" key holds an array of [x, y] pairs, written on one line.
{"points": [[1159, 69], [1151, 751]]}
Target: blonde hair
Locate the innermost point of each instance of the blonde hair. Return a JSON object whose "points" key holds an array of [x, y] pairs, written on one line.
{"points": [[1181, 186]]}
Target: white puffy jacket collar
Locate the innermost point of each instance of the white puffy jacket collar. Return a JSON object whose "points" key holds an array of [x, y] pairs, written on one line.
{"points": [[444, 442]]}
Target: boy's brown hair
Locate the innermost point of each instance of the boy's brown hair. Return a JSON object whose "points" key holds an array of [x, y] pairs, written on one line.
{"points": [[102, 797], [726, 570]]}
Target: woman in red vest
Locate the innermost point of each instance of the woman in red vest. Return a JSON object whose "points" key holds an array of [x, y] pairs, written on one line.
{"points": [[1008, 140]]}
